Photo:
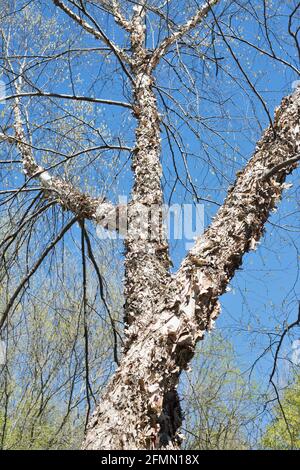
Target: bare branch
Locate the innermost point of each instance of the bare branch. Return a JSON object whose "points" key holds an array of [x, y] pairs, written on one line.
{"points": [[26, 278], [184, 29], [287, 328], [102, 294], [83, 205], [115, 9], [97, 33], [69, 97]]}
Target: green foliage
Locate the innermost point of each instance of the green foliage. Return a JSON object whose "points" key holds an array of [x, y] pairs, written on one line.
{"points": [[43, 394], [30, 431], [220, 404], [283, 432]]}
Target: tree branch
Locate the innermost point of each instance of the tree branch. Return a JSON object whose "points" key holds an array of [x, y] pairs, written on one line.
{"points": [[239, 224], [146, 413], [97, 33], [184, 29], [70, 97], [114, 8], [70, 198], [26, 278]]}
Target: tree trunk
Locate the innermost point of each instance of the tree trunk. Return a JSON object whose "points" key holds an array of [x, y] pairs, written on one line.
{"points": [[140, 408]]}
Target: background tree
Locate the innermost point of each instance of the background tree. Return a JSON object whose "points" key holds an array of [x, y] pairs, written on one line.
{"points": [[221, 407], [278, 435]]}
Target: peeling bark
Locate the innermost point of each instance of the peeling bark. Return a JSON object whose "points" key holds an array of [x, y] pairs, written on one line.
{"points": [[140, 407], [147, 262]]}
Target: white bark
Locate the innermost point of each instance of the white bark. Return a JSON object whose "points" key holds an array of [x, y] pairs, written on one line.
{"points": [[147, 261]]}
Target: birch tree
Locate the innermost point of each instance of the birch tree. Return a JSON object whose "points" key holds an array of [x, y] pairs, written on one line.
{"points": [[165, 314]]}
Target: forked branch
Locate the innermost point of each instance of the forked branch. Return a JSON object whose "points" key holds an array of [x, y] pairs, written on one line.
{"points": [[163, 47]]}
